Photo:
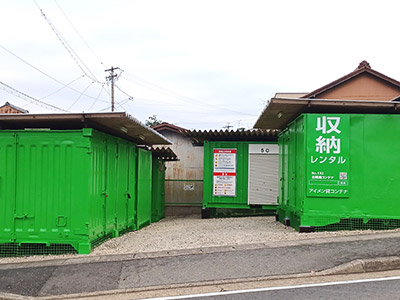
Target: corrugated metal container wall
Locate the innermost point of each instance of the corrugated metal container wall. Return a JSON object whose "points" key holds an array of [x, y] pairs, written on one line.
{"points": [[58, 187], [144, 188], [240, 197], [340, 172], [158, 190]]}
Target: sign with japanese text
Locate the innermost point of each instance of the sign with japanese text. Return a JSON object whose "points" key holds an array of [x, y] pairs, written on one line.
{"points": [[224, 172], [328, 155]]}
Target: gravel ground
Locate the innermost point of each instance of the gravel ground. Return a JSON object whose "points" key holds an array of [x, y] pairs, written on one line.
{"points": [[194, 232]]}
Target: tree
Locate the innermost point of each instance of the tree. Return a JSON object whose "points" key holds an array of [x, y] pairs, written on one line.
{"points": [[152, 121]]}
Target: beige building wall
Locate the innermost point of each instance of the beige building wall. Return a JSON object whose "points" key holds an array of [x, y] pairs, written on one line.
{"points": [[183, 178]]}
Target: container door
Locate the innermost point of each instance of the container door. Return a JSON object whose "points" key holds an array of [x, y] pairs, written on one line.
{"points": [[32, 182], [42, 206], [144, 188], [263, 174], [132, 184], [122, 186], [7, 185], [111, 187]]}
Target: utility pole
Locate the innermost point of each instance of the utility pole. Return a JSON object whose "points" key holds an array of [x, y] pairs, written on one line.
{"points": [[112, 78], [227, 126]]}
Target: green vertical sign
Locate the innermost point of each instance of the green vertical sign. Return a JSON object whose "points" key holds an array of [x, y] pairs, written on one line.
{"points": [[328, 155]]}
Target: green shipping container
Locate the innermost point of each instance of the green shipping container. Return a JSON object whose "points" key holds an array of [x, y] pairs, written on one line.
{"points": [[158, 190], [240, 175], [337, 172], [60, 189], [144, 188]]}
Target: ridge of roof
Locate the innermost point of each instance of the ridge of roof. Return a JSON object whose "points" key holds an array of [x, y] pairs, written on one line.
{"points": [[363, 67], [168, 126]]}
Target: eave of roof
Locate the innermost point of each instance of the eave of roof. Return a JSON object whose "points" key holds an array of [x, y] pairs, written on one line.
{"points": [[164, 153], [119, 124], [199, 136], [281, 111], [364, 67]]}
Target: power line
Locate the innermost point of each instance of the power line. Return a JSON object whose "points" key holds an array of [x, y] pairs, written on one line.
{"points": [[78, 61], [77, 99], [87, 45], [28, 98], [126, 94], [47, 75], [67, 85], [98, 96], [76, 30], [151, 86]]}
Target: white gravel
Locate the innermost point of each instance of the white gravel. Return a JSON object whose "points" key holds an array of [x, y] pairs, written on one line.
{"points": [[192, 232]]}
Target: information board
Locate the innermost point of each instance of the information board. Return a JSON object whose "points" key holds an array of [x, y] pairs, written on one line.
{"points": [[224, 172], [328, 155]]}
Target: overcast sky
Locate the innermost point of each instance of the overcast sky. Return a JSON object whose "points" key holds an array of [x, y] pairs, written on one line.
{"points": [[198, 64]]}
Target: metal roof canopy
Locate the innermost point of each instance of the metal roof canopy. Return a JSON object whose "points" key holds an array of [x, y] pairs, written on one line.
{"points": [[164, 153], [118, 124], [198, 136], [281, 111]]}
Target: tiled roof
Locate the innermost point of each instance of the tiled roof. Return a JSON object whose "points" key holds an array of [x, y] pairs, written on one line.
{"points": [[363, 67], [19, 109], [167, 126]]}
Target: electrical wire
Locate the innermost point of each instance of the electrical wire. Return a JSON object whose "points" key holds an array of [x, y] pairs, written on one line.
{"points": [[173, 94], [84, 41], [28, 98], [80, 95], [67, 85], [98, 96], [47, 75], [78, 61], [130, 97], [76, 30]]}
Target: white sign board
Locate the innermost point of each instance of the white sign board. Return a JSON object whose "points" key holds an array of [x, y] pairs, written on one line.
{"points": [[224, 172], [263, 149], [225, 160], [188, 187], [224, 184]]}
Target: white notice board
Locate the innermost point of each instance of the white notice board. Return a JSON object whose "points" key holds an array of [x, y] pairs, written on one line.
{"points": [[224, 172]]}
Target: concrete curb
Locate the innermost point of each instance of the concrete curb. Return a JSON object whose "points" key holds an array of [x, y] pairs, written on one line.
{"points": [[365, 265], [357, 266], [82, 259]]}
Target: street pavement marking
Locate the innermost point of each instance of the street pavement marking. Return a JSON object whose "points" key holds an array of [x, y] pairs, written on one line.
{"points": [[276, 288]]}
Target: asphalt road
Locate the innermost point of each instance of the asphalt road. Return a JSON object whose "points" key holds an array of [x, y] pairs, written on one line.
{"points": [[372, 289], [134, 273]]}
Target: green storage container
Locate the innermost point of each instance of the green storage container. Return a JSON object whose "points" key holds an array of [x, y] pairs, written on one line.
{"points": [[63, 189], [144, 188], [158, 190], [337, 171], [240, 175]]}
